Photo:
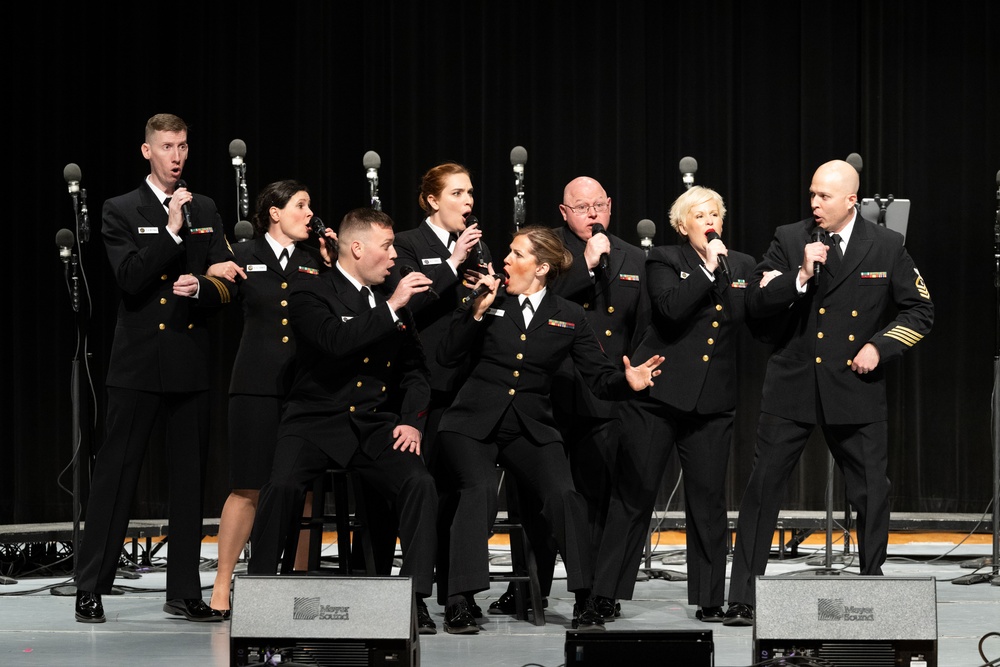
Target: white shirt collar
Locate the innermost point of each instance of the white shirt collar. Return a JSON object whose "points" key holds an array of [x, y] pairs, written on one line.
{"points": [[443, 235], [277, 247], [160, 194], [845, 233], [535, 299], [349, 277]]}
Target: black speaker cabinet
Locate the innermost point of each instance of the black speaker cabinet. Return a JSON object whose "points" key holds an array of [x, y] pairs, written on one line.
{"points": [[687, 648], [324, 621], [847, 620]]}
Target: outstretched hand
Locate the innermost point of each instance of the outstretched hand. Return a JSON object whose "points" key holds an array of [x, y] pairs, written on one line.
{"points": [[641, 377]]}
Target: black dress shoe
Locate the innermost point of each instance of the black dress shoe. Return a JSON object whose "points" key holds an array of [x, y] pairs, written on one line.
{"points": [[507, 604], [587, 618], [193, 609], [226, 613], [474, 609], [710, 614], [89, 608], [458, 620], [425, 624], [608, 608], [738, 614]]}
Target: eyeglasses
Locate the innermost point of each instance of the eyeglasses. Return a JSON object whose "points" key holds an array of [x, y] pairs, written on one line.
{"points": [[582, 209]]}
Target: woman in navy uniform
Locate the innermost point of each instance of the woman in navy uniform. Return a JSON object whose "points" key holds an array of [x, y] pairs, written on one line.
{"points": [[697, 312], [274, 261], [503, 414]]}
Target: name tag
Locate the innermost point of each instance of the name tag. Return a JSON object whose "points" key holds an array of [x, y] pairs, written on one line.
{"points": [[684, 275], [256, 267], [427, 261], [345, 318], [149, 230], [495, 312], [202, 230]]}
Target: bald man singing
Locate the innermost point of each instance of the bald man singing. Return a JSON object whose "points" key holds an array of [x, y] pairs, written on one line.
{"points": [[827, 283]]}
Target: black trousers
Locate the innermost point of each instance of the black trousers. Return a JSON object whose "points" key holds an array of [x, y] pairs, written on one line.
{"points": [[703, 443], [131, 417], [400, 477], [541, 469], [861, 451]]}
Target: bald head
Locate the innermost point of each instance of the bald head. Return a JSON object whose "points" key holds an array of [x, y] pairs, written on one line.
{"points": [[832, 195], [587, 195]]}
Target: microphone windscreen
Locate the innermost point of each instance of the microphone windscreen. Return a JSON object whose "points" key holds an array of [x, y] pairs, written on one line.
{"points": [[372, 160], [243, 231], [855, 161], [64, 237], [237, 148], [518, 155], [646, 228], [688, 165], [71, 173]]}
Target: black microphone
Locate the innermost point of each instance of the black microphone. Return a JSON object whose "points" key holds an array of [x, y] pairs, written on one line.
{"points": [[646, 230], [186, 208], [598, 228], [71, 173], [711, 235], [238, 151], [406, 270], [817, 236], [316, 224], [243, 231], [372, 162], [480, 250], [482, 288], [64, 239], [688, 167]]}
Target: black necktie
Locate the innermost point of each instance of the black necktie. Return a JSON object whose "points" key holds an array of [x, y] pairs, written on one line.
{"points": [[834, 257], [452, 240], [836, 245], [366, 294], [166, 202], [283, 258], [527, 310]]}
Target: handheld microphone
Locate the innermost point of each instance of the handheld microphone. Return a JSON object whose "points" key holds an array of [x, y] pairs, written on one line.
{"points": [[64, 239], [711, 235], [598, 228], [316, 224], [518, 158], [406, 270], [646, 230], [372, 162], [186, 208], [482, 288], [817, 236], [688, 167], [480, 250], [238, 151], [243, 231]]}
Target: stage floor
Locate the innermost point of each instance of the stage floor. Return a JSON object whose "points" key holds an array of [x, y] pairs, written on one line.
{"points": [[38, 628]]}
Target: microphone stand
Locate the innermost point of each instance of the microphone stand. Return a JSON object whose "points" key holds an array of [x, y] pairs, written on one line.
{"points": [[519, 208], [373, 189], [883, 204], [242, 196], [995, 421]]}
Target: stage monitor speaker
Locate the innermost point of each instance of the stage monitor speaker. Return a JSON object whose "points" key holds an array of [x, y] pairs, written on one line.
{"points": [[687, 648], [847, 621], [324, 621]]}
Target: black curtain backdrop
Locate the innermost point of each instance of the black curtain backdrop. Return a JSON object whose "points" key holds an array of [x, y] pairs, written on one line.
{"points": [[615, 90]]}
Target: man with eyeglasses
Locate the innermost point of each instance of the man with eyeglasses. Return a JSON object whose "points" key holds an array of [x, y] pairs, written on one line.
{"points": [[607, 278]]}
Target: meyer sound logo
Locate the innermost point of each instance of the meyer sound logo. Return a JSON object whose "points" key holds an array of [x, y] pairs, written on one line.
{"points": [[834, 609], [311, 609]]}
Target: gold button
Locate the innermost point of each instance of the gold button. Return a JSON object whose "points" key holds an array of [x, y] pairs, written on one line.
{"points": [[705, 358], [365, 360], [283, 303], [284, 339], [510, 391], [851, 337], [586, 306], [388, 363], [819, 335], [850, 361], [822, 311], [352, 408], [819, 360], [190, 326], [523, 337], [163, 277], [520, 356], [162, 301], [359, 383], [284, 321], [607, 333], [383, 389], [611, 309], [715, 325], [854, 313], [711, 341], [517, 374], [162, 326], [718, 306], [284, 285]]}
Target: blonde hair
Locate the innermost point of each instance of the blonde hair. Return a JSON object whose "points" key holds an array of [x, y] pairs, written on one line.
{"points": [[691, 198], [547, 248]]}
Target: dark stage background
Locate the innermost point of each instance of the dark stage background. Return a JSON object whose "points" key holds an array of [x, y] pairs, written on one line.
{"points": [[617, 90]]}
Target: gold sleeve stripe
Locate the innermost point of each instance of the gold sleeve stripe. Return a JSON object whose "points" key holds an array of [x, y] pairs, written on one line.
{"points": [[224, 295], [904, 335], [922, 288]]}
